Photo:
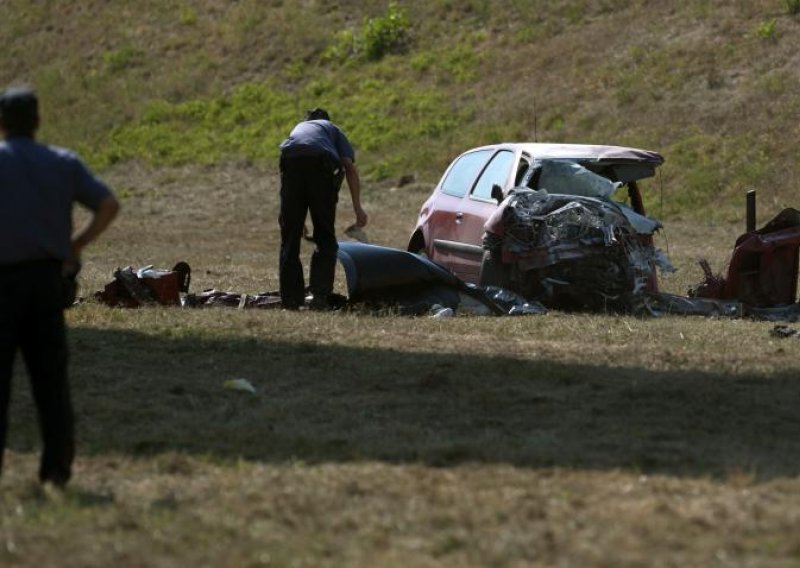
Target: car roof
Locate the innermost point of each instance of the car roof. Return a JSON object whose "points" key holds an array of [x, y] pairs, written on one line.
{"points": [[587, 152]]}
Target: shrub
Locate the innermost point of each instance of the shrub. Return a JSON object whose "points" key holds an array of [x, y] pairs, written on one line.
{"points": [[377, 37], [767, 30], [793, 6], [387, 34]]}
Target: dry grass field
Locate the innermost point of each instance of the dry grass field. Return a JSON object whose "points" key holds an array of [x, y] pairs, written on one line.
{"points": [[563, 439]]}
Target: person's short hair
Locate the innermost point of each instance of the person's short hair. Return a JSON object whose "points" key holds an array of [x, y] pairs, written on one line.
{"points": [[317, 114], [19, 110]]}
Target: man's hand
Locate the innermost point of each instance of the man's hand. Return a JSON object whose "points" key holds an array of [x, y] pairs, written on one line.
{"points": [[354, 183], [361, 216], [72, 264], [100, 220]]}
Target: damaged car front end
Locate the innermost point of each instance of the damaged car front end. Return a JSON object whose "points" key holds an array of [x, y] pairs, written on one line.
{"points": [[569, 244]]}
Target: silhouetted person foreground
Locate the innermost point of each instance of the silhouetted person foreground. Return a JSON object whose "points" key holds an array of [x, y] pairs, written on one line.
{"points": [[38, 255]]}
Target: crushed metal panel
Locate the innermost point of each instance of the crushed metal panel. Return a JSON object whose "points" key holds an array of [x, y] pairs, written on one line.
{"points": [[573, 251]]}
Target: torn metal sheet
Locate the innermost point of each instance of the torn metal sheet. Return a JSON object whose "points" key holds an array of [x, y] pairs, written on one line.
{"points": [[662, 303]]}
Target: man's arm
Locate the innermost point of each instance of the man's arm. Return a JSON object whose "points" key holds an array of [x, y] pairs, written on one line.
{"points": [[354, 184], [101, 219]]}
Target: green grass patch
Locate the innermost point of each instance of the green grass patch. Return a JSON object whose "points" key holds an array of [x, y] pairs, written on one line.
{"points": [[768, 30], [120, 59], [252, 121]]}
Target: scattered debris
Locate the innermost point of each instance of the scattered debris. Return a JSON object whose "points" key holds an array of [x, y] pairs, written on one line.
{"points": [[233, 300], [569, 251], [441, 313], [663, 303], [242, 385], [134, 288], [783, 331]]}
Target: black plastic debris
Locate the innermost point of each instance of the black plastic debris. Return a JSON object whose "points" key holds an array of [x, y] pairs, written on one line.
{"points": [[784, 331], [383, 277]]}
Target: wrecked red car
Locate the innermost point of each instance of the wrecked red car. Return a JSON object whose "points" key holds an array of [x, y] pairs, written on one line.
{"points": [[562, 223]]}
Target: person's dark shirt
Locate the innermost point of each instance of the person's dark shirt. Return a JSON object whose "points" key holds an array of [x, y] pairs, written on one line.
{"points": [[315, 138], [38, 185]]}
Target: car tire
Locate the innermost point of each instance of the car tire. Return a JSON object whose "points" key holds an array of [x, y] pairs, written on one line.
{"points": [[493, 271]]}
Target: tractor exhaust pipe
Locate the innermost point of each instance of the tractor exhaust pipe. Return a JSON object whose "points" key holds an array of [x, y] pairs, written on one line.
{"points": [[751, 210]]}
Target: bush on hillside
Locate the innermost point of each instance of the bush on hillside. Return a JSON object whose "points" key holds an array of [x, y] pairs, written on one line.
{"points": [[377, 37]]}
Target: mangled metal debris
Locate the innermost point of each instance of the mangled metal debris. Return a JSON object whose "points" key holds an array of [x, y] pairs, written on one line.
{"points": [[233, 300], [784, 331], [569, 245], [135, 288]]}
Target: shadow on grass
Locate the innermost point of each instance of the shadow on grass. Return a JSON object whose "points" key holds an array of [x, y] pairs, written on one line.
{"points": [[139, 395]]}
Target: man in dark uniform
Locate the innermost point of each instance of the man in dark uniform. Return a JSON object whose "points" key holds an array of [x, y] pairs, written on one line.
{"points": [[38, 185], [312, 161]]}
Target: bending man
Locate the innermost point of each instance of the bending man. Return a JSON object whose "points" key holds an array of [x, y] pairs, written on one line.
{"points": [[312, 160]]}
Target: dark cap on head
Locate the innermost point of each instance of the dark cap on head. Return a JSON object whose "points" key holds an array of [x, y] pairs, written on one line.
{"points": [[19, 110], [317, 114]]}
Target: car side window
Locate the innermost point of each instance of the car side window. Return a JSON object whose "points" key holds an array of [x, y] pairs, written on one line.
{"points": [[463, 173], [495, 173]]}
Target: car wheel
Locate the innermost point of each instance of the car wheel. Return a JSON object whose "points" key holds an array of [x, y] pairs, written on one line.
{"points": [[493, 271], [417, 245]]}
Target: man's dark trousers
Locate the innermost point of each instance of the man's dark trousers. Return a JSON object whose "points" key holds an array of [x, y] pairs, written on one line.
{"points": [[307, 185], [32, 319]]}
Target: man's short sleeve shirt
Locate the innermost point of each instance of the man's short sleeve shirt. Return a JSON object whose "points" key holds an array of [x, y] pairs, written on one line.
{"points": [[38, 185], [318, 137]]}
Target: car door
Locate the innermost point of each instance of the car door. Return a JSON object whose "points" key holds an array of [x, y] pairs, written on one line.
{"points": [[475, 210], [447, 212]]}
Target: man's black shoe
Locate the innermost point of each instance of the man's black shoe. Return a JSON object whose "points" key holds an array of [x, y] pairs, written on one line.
{"points": [[319, 304]]}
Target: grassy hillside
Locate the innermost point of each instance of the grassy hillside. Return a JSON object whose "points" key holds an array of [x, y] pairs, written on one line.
{"points": [[710, 84]]}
